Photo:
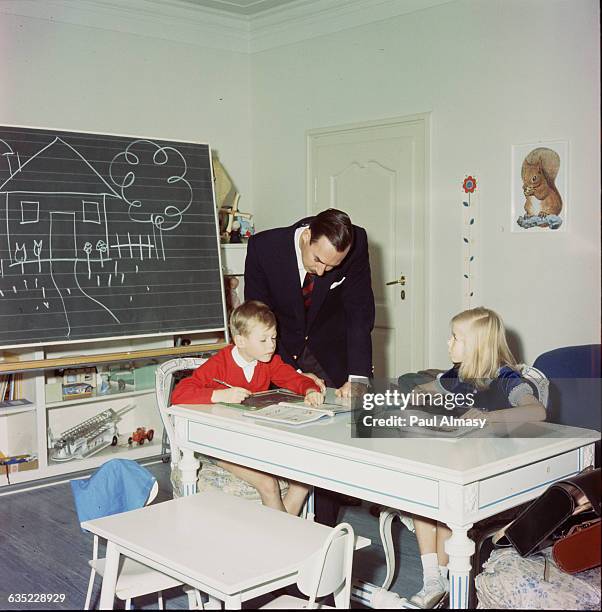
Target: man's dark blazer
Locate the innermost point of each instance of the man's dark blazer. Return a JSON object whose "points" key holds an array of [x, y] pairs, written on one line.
{"points": [[340, 319]]}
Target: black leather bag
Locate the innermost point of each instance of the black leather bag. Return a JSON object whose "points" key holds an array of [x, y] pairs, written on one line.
{"points": [[563, 505]]}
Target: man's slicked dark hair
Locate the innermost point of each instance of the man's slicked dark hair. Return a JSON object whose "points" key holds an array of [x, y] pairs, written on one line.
{"points": [[335, 225]]}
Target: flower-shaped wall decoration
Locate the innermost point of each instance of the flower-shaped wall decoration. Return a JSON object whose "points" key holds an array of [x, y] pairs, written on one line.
{"points": [[470, 213], [470, 184]]}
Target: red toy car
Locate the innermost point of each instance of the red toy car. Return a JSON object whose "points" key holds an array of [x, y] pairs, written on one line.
{"points": [[140, 435]]}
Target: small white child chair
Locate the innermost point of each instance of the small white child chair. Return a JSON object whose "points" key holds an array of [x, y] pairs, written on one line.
{"points": [[327, 572], [211, 476], [136, 579]]}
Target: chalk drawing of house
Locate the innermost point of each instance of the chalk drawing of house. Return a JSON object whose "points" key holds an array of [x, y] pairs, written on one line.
{"points": [[56, 209]]}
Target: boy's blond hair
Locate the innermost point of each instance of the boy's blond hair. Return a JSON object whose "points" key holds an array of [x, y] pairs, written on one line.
{"points": [[249, 314], [486, 348]]}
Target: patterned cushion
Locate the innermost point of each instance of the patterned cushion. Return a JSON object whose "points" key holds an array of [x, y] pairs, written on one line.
{"points": [[509, 581], [212, 477]]}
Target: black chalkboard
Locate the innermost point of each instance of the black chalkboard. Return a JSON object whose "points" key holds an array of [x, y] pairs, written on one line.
{"points": [[105, 236]]}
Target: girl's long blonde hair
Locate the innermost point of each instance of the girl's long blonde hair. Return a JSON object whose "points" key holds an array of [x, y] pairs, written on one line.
{"points": [[485, 345]]}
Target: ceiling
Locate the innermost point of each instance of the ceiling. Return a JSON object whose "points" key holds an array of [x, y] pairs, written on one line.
{"points": [[242, 7]]}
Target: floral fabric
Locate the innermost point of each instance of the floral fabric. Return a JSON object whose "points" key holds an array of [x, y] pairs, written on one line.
{"points": [[509, 581], [212, 477]]}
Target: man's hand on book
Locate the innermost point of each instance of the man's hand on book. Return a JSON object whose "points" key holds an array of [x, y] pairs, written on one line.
{"points": [[233, 395], [314, 398]]}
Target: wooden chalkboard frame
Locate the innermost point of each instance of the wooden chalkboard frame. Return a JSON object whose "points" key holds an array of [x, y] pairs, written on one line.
{"points": [[162, 145]]}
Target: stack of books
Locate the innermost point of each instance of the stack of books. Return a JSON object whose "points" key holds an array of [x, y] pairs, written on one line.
{"points": [[11, 387], [11, 392]]}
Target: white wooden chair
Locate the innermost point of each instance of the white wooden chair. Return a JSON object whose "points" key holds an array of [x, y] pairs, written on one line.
{"points": [[211, 476], [327, 572], [136, 579]]}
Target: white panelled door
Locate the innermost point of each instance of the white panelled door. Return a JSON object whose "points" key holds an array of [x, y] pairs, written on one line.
{"points": [[377, 173]]}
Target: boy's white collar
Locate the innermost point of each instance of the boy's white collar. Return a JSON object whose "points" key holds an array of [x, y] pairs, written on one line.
{"points": [[240, 361]]}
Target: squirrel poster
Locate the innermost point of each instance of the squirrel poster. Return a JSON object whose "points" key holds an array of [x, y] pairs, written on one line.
{"points": [[542, 202]]}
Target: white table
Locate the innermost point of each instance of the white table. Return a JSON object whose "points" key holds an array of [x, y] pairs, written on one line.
{"points": [[196, 539], [458, 482]]}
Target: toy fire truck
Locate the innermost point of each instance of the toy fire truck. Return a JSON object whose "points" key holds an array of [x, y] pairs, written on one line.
{"points": [[89, 437]]}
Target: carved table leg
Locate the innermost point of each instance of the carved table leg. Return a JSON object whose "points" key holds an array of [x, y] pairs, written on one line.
{"points": [[460, 549]]}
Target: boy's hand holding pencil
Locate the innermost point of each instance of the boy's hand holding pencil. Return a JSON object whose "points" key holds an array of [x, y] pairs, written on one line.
{"points": [[230, 395]]}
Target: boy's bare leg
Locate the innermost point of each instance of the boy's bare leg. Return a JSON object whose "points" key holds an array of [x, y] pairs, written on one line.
{"points": [[295, 497], [443, 534], [426, 534], [267, 485]]}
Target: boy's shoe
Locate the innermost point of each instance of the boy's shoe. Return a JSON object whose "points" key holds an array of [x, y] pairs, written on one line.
{"points": [[432, 592]]}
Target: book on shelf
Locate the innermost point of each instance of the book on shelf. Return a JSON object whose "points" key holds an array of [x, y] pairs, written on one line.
{"points": [[8, 404], [289, 413], [4, 385], [11, 387]]}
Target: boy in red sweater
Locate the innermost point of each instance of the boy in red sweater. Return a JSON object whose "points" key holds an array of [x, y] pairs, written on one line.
{"points": [[250, 366]]}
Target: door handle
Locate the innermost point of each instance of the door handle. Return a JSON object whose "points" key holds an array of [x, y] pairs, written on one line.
{"points": [[400, 281]]}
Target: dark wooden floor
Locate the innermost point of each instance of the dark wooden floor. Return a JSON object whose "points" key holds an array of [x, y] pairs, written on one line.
{"points": [[43, 550]]}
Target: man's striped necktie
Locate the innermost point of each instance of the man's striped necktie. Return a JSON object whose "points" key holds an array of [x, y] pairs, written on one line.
{"points": [[308, 287]]}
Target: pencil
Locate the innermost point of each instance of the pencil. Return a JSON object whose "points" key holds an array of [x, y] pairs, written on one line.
{"points": [[221, 382]]}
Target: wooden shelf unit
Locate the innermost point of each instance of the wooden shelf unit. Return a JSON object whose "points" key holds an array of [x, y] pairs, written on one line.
{"points": [[26, 429]]}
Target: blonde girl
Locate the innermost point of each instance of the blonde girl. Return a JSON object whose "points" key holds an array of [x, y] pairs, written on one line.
{"points": [[485, 367]]}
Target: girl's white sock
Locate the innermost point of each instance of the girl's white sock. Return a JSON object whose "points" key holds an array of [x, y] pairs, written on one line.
{"points": [[430, 566], [443, 571]]}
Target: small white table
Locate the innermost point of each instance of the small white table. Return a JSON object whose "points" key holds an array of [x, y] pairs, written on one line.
{"points": [[196, 539], [458, 482]]}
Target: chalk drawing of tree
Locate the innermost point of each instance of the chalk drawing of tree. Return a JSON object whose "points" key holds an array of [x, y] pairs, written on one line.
{"points": [[21, 255], [87, 251], [101, 247], [151, 179], [37, 250]]}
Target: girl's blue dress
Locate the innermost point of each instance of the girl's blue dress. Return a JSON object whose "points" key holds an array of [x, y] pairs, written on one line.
{"points": [[504, 391]]}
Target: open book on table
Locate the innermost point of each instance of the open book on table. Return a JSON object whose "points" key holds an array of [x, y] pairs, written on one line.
{"points": [[296, 413]]}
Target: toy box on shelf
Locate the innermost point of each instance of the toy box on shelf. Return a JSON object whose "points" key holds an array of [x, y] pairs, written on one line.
{"points": [[18, 463], [13, 464], [78, 383]]}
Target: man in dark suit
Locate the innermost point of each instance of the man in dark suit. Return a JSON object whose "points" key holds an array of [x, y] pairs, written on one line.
{"points": [[327, 325], [315, 276]]}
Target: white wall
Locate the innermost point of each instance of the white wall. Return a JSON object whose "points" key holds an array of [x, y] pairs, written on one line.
{"points": [[65, 76], [494, 73]]}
